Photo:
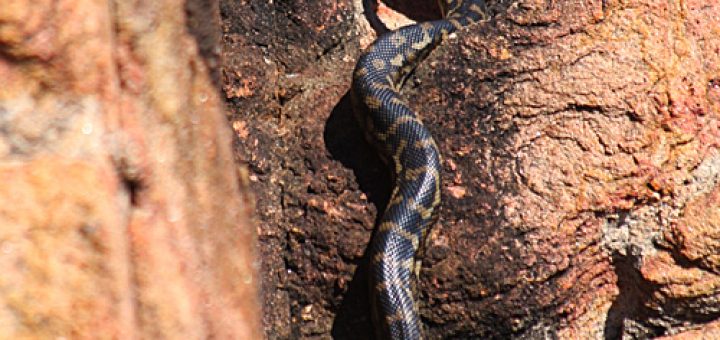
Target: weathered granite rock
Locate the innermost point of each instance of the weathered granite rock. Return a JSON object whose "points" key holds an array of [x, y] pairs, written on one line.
{"points": [[287, 64], [121, 213], [583, 135], [581, 165]]}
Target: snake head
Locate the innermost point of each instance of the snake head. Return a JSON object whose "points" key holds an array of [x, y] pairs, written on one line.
{"points": [[450, 7]]}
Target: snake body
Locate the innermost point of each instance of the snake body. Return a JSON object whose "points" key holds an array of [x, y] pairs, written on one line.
{"points": [[402, 139]]}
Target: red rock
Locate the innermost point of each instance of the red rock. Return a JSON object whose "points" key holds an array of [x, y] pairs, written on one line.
{"points": [[121, 213]]}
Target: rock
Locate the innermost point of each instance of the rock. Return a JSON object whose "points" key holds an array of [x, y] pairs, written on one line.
{"points": [[583, 135], [591, 140], [121, 210]]}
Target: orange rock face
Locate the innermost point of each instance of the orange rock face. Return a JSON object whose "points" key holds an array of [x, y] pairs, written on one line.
{"points": [[121, 212], [580, 141]]}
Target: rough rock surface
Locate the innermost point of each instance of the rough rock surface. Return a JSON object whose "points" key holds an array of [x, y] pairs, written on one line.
{"points": [[121, 213], [580, 175], [286, 66], [580, 151]]}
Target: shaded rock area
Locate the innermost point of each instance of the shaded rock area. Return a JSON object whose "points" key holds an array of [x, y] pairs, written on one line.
{"points": [[287, 65], [580, 173], [121, 212]]}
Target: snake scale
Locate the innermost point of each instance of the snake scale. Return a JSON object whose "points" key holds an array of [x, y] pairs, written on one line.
{"points": [[405, 143]]}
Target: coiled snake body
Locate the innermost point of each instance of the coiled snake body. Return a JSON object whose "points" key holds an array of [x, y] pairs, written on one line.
{"points": [[406, 144]]}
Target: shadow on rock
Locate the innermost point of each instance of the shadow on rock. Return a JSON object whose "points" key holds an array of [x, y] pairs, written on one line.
{"points": [[345, 142]]}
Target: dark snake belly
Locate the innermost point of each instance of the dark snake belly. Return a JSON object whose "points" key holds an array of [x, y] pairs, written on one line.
{"points": [[403, 140]]}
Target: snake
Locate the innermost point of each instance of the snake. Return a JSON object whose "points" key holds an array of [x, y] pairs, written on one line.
{"points": [[406, 145]]}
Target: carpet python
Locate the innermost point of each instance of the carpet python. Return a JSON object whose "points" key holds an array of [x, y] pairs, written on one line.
{"points": [[406, 144]]}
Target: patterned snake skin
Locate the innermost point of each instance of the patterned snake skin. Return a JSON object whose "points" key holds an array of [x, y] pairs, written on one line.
{"points": [[406, 144]]}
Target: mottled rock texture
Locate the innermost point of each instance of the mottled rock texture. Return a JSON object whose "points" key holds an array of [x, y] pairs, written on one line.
{"points": [[121, 212], [585, 135], [581, 167]]}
